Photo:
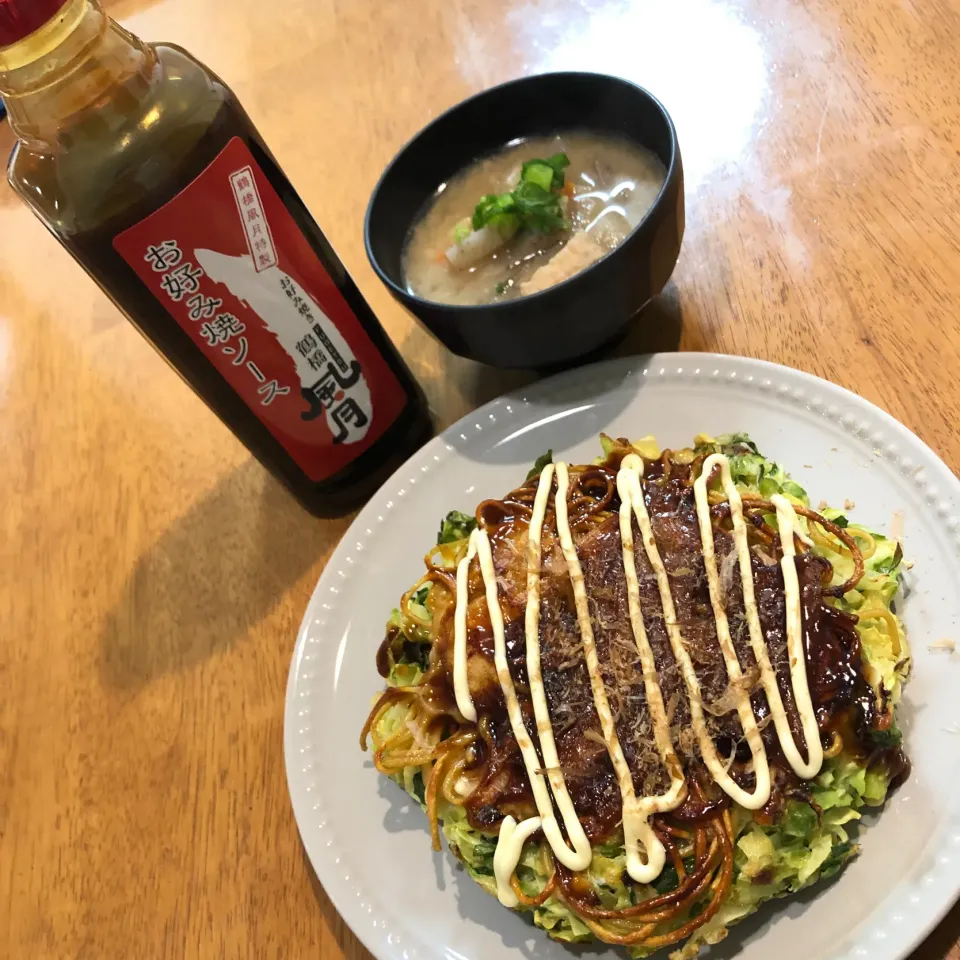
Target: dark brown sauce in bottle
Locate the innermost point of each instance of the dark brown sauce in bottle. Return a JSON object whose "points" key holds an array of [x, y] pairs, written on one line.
{"points": [[129, 152]]}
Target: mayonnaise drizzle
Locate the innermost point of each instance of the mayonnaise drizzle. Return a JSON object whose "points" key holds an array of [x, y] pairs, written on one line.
{"points": [[760, 795], [758, 644], [787, 524], [510, 843], [636, 811], [578, 858], [461, 685], [630, 490], [635, 828], [748, 720]]}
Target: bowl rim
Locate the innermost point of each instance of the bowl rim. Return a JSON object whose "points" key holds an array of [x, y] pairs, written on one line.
{"points": [[408, 297]]}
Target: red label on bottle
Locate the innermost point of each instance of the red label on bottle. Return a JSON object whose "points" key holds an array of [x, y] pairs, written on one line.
{"points": [[231, 266]]}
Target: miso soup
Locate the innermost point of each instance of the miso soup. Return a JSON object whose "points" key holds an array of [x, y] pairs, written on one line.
{"points": [[530, 216]]}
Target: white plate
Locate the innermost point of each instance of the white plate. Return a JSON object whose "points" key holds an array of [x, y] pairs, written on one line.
{"points": [[369, 845]]}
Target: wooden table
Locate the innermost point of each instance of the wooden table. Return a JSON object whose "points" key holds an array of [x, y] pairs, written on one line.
{"points": [[154, 575]]}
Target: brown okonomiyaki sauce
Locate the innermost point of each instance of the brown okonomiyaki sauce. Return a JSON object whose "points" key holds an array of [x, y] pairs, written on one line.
{"points": [[844, 702]]}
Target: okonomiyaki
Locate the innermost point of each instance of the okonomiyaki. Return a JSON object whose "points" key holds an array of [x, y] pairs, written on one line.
{"points": [[639, 697]]}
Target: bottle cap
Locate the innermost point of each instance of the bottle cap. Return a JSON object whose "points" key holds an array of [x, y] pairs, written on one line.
{"points": [[20, 18]]}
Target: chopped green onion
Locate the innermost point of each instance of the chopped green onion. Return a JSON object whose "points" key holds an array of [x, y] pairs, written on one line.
{"points": [[498, 212], [557, 163], [539, 209], [539, 173], [491, 207], [534, 203]]}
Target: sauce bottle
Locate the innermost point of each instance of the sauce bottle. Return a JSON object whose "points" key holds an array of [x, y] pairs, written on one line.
{"points": [[145, 167]]}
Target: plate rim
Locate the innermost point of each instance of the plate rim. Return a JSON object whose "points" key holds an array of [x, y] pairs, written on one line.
{"points": [[726, 367]]}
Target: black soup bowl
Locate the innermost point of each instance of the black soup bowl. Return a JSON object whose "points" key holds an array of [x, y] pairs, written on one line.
{"points": [[590, 309]]}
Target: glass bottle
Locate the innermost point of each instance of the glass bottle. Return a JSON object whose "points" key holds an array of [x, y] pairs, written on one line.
{"points": [[148, 171]]}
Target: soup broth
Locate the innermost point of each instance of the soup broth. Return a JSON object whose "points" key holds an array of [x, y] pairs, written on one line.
{"points": [[608, 187]]}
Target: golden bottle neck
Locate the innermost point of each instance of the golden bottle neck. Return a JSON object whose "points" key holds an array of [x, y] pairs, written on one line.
{"points": [[66, 68]]}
